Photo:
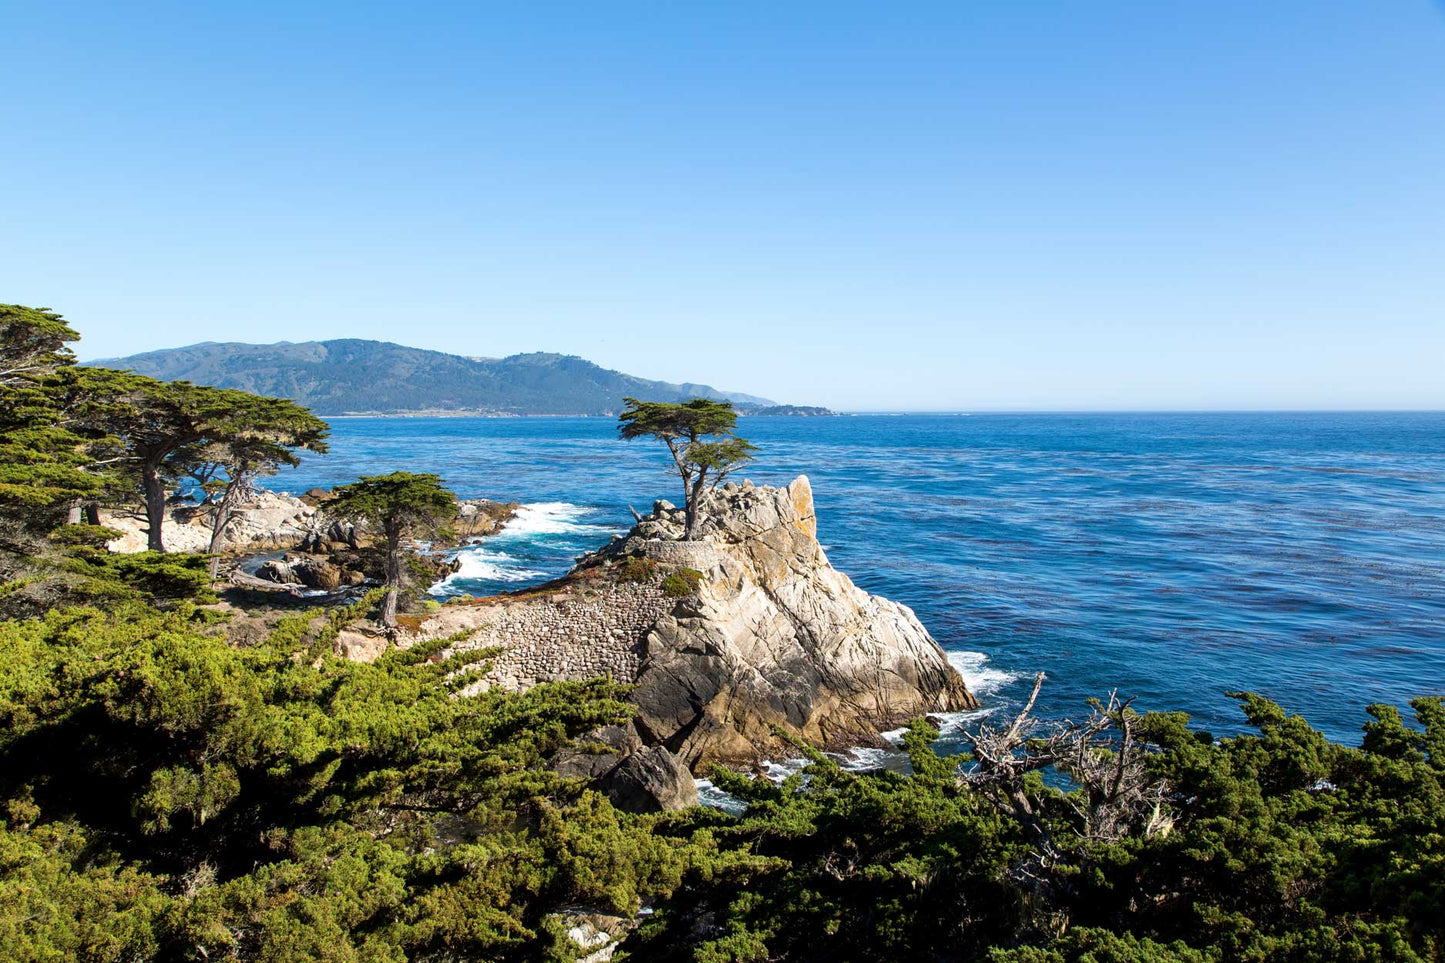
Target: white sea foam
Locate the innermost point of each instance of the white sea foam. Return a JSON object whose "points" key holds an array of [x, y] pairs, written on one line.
{"points": [[558, 524], [866, 759], [551, 518], [489, 564], [715, 798], [981, 678], [778, 771]]}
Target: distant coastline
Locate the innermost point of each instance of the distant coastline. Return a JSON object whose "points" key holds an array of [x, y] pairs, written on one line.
{"points": [[351, 377]]}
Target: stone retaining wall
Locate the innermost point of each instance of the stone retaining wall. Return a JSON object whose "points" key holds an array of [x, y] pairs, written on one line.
{"points": [[565, 636]]}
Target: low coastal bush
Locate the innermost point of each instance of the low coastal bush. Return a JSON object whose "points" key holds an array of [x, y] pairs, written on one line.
{"points": [[681, 583], [634, 569], [164, 795], [1275, 845]]}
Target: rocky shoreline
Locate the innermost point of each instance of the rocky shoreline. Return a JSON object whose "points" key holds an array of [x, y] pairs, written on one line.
{"points": [[734, 643]]}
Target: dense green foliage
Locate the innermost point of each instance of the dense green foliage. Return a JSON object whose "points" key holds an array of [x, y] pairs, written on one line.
{"points": [[170, 796], [160, 430], [351, 375], [42, 461], [1279, 846], [72, 437]]}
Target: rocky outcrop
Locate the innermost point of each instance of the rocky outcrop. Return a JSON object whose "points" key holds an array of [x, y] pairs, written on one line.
{"points": [[480, 517], [266, 521], [745, 628], [594, 932], [309, 570], [649, 780], [775, 636]]}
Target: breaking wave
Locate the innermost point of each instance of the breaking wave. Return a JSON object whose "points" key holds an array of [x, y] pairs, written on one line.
{"points": [[540, 542], [487, 565], [981, 678], [552, 518]]}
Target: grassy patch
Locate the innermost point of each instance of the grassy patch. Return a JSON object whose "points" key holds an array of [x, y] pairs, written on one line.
{"points": [[410, 623], [682, 582]]}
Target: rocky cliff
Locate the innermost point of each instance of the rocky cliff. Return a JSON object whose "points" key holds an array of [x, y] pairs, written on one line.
{"points": [[742, 629]]}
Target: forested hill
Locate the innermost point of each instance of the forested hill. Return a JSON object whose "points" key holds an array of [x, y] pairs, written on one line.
{"points": [[352, 376]]}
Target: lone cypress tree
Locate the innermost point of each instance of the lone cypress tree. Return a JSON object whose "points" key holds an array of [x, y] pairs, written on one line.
{"points": [[699, 436], [398, 506]]}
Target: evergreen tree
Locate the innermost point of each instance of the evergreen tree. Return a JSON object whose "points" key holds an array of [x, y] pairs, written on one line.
{"points": [[42, 460], [158, 429], [46, 466], [699, 435], [259, 436], [398, 506]]}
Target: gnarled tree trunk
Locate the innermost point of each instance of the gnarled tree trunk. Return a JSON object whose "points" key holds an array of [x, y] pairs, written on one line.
{"points": [[225, 511], [393, 580], [155, 496], [694, 496]]}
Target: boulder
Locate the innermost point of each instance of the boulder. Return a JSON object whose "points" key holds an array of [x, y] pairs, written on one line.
{"points": [[650, 780], [596, 933], [479, 517], [315, 496], [310, 571], [318, 573], [277, 570], [775, 636], [599, 753]]}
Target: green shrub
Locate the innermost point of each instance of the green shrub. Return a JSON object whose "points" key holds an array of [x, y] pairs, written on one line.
{"points": [[634, 569], [682, 583]]}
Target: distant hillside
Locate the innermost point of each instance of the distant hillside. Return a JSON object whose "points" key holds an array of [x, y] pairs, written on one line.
{"points": [[352, 376]]}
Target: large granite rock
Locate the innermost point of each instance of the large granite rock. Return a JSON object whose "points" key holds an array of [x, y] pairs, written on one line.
{"points": [[774, 636], [650, 780], [267, 520], [308, 570], [480, 517]]}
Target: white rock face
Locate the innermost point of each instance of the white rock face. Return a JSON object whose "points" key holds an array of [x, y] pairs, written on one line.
{"points": [[267, 520], [775, 636]]}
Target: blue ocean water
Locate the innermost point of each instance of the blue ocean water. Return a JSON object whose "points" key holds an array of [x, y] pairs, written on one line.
{"points": [[1174, 557]]}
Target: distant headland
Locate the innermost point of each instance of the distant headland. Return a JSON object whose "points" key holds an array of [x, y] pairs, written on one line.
{"points": [[357, 377]]}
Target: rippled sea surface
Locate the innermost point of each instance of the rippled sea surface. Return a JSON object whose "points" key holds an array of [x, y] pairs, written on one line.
{"points": [[1174, 557]]}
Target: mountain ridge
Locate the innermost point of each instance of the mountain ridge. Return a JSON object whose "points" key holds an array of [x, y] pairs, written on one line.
{"points": [[350, 376]]}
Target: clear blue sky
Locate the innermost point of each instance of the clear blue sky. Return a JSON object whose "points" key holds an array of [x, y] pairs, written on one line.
{"points": [[867, 205]]}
